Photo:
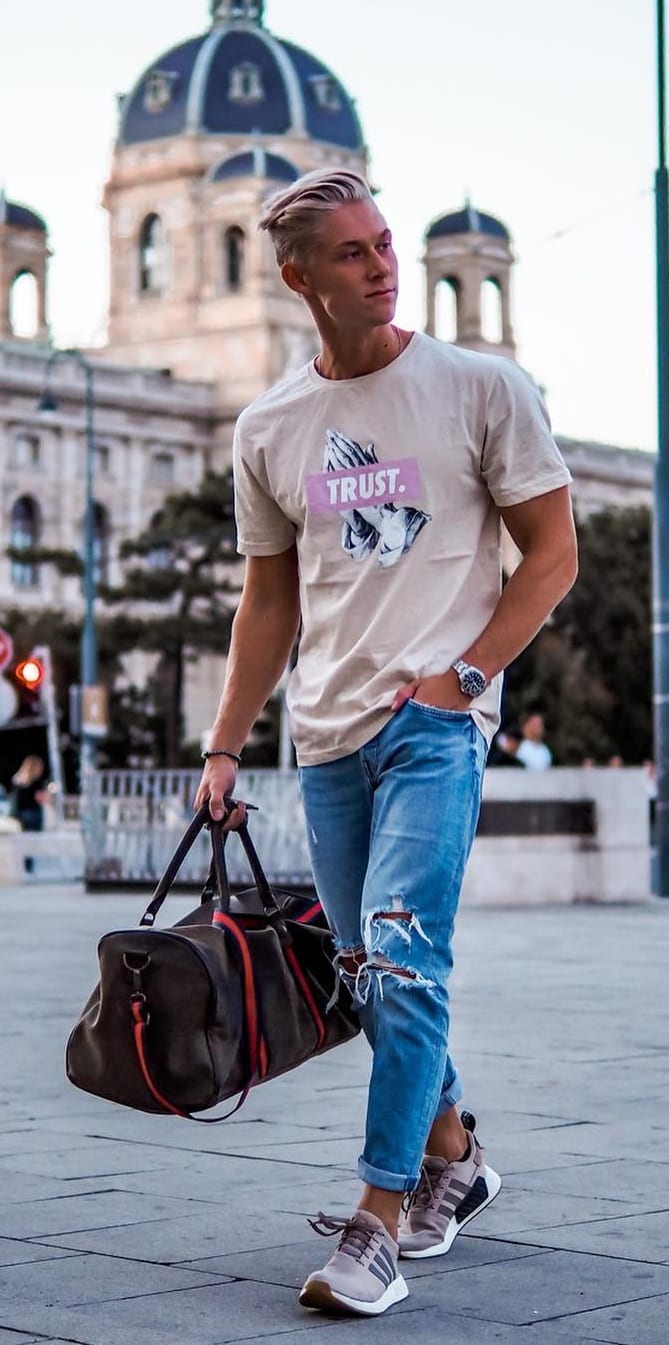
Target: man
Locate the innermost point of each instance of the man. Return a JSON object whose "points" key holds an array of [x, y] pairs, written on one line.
{"points": [[504, 749], [369, 489], [533, 752]]}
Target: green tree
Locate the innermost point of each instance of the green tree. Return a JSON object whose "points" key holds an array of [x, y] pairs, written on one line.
{"points": [[590, 669], [178, 602]]}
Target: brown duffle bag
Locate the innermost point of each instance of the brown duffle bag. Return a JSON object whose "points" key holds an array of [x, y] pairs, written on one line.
{"points": [[241, 990]]}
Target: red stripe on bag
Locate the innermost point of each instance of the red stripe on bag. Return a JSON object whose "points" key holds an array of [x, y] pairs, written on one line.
{"points": [[138, 1033], [309, 914], [307, 996], [250, 1001], [264, 1058]]}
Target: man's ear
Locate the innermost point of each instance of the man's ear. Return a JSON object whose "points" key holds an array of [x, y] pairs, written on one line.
{"points": [[294, 277]]}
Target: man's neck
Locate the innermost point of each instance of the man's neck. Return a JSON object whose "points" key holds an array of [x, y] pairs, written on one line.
{"points": [[348, 357]]}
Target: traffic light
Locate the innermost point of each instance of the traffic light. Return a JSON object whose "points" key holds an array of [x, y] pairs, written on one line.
{"points": [[30, 673]]}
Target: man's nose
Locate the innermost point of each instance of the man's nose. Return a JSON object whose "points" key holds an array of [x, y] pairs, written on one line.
{"points": [[379, 266]]}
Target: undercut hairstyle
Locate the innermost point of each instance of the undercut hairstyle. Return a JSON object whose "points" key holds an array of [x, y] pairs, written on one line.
{"points": [[293, 216]]}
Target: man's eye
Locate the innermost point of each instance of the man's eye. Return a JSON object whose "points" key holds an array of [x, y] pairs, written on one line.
{"points": [[355, 252], [383, 247]]}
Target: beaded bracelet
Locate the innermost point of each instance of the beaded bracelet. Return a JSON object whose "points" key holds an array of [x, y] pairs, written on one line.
{"points": [[221, 752]]}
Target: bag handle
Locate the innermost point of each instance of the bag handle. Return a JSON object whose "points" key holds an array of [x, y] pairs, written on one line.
{"points": [[217, 884]]}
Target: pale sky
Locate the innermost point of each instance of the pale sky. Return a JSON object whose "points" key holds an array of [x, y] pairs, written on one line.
{"points": [[544, 114]]}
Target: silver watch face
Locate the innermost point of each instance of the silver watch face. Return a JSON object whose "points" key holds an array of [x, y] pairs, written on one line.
{"points": [[472, 681]]}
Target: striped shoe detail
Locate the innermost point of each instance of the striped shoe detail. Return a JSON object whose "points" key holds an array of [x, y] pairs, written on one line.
{"points": [[478, 1195]]}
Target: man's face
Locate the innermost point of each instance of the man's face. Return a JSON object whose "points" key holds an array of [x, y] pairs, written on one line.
{"points": [[351, 271]]}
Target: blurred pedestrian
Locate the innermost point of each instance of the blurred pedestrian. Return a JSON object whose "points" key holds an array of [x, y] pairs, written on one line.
{"points": [[533, 751], [504, 751], [29, 793]]}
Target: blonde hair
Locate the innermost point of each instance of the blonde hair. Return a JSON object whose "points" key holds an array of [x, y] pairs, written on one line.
{"points": [[30, 770], [293, 215]]}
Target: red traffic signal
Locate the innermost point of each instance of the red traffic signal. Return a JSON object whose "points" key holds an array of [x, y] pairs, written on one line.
{"points": [[30, 673]]}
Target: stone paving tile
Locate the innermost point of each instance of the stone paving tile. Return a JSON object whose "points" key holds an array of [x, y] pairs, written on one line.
{"points": [[18, 1187], [645, 1322], [635, 1237], [532, 1289], [616, 1179], [15, 1252], [86, 1159], [17, 1338], [517, 1211], [81, 1278], [166, 1241], [290, 1265], [414, 1324], [212, 1315], [42, 1218], [223, 1178]]}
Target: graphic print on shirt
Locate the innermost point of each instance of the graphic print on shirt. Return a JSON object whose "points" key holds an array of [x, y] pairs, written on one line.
{"points": [[362, 490]]}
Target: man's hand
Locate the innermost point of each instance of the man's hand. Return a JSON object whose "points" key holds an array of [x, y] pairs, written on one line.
{"points": [[217, 784], [443, 692]]}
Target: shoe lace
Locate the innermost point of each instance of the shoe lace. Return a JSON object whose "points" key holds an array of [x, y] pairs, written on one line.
{"points": [[422, 1195], [355, 1237]]}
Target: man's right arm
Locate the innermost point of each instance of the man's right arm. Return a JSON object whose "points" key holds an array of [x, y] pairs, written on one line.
{"points": [[263, 634]]}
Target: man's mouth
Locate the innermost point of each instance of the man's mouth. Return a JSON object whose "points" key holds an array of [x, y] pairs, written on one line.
{"points": [[375, 294]]}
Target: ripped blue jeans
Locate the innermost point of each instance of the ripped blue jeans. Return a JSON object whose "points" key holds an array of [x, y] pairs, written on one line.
{"points": [[390, 828]]}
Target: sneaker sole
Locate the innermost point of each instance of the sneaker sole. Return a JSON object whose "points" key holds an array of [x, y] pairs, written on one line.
{"points": [[494, 1184], [319, 1294]]}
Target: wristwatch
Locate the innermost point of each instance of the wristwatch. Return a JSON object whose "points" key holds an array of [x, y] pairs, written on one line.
{"points": [[472, 681]]}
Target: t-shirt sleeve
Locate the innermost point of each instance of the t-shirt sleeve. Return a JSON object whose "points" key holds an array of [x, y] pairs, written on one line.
{"points": [[520, 457], [262, 527]]}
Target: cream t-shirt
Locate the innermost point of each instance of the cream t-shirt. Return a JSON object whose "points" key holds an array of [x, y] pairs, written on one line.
{"points": [[389, 485]]}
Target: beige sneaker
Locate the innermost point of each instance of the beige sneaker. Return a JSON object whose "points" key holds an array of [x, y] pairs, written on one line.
{"points": [[361, 1276], [447, 1197]]}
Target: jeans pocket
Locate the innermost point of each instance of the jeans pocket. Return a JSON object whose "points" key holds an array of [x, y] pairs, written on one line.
{"points": [[439, 712]]}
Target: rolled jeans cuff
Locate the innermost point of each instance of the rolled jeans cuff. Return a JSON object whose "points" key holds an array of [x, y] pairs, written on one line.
{"points": [[387, 1181], [450, 1095]]}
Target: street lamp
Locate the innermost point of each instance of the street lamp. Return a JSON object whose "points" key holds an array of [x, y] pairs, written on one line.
{"points": [[88, 655]]}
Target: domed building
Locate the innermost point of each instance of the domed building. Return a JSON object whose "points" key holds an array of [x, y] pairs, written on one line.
{"points": [[24, 257], [206, 134], [470, 253]]}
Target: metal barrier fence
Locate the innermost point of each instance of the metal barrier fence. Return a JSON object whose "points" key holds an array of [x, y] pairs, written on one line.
{"points": [[136, 818]]}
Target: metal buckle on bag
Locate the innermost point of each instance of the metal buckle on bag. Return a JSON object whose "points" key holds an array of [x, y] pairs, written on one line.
{"points": [[136, 967]]}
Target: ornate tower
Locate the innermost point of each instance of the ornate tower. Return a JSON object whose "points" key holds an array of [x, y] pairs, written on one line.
{"points": [[208, 132], [471, 254], [24, 256]]}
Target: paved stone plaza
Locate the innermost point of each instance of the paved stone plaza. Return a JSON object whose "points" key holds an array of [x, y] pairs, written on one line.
{"points": [[122, 1229]]}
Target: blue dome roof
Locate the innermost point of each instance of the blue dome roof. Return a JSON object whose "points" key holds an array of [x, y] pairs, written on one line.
{"points": [[255, 163], [239, 79], [468, 221], [20, 215]]}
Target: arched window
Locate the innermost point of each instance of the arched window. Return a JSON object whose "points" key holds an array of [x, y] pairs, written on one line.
{"points": [[153, 267], [24, 529], [234, 258], [446, 318], [160, 555], [24, 306], [101, 533], [491, 311], [245, 83]]}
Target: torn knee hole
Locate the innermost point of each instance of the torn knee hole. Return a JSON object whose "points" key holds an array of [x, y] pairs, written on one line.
{"points": [[349, 960]]}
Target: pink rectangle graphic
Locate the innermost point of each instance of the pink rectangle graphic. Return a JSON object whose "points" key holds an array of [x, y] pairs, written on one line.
{"points": [[364, 487]]}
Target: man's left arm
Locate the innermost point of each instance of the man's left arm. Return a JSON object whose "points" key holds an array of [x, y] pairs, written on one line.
{"points": [[543, 530]]}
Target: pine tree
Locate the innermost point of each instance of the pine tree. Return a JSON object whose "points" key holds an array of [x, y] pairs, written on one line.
{"points": [[589, 670], [178, 602]]}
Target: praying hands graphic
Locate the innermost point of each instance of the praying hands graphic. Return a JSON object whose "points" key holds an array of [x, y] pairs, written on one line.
{"points": [[369, 526]]}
